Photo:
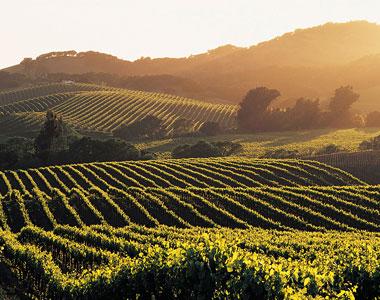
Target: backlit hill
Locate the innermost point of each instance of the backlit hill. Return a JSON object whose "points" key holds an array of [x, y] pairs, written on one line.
{"points": [[98, 108], [305, 63]]}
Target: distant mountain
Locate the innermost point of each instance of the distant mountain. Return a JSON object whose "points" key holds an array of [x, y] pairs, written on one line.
{"points": [[305, 63]]}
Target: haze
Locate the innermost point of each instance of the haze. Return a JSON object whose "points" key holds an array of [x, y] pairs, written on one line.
{"points": [[170, 28]]}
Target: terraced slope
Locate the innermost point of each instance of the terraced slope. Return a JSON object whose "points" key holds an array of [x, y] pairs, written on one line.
{"points": [[285, 208], [363, 164], [238, 193], [211, 172], [23, 124], [39, 104], [97, 108], [136, 262], [36, 91], [105, 111]]}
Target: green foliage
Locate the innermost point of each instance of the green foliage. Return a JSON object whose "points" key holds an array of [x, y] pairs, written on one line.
{"points": [[181, 127], [50, 132], [206, 149], [371, 144], [91, 150], [281, 153], [329, 149], [210, 128], [167, 263], [373, 119], [254, 108], [149, 127], [342, 100]]}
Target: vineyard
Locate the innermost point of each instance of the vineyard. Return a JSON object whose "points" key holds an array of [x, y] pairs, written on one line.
{"points": [[22, 94], [237, 193], [210, 228], [363, 164], [100, 109], [185, 173], [101, 262], [286, 208], [191, 228]]}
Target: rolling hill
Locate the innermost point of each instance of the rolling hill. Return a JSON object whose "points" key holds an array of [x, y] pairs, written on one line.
{"points": [[308, 62], [102, 109], [272, 194], [185, 173]]}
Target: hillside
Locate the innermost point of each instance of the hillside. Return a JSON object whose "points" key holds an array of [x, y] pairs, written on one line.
{"points": [[212, 172], [285, 208], [363, 164], [102, 109], [238, 193], [308, 62], [306, 142], [36, 91]]}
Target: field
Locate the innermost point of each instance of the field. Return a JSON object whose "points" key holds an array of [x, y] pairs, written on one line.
{"points": [[363, 164], [100, 109], [210, 172], [204, 228], [100, 262], [97, 110], [256, 145], [237, 193]]}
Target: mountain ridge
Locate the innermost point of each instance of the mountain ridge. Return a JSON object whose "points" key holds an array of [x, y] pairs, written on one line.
{"points": [[309, 62]]}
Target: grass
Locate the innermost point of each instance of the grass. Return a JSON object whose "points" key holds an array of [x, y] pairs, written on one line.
{"points": [[255, 145]]}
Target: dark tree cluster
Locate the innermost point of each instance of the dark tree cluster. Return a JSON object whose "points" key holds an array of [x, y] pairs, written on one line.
{"points": [[56, 143], [149, 127], [256, 115], [373, 119], [87, 149], [14, 151], [207, 149], [371, 144], [50, 132]]}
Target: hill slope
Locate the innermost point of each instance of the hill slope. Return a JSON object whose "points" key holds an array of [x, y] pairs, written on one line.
{"points": [[98, 108], [284, 208], [305, 63], [212, 172], [238, 193], [35, 91]]}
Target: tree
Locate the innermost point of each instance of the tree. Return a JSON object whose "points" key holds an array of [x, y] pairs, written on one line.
{"points": [[206, 149], [282, 153], [342, 100], [254, 108], [181, 127], [87, 149], [305, 114], [329, 149], [227, 148], [340, 105], [148, 127], [210, 128], [51, 130], [373, 119], [371, 144]]}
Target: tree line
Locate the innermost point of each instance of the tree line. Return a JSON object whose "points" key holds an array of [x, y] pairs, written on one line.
{"points": [[256, 115]]}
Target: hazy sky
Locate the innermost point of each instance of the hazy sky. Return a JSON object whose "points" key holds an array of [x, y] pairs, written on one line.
{"points": [[130, 29]]}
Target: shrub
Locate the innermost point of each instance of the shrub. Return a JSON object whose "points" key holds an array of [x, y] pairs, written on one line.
{"points": [[329, 149], [371, 144], [210, 128], [206, 149], [281, 153]]}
